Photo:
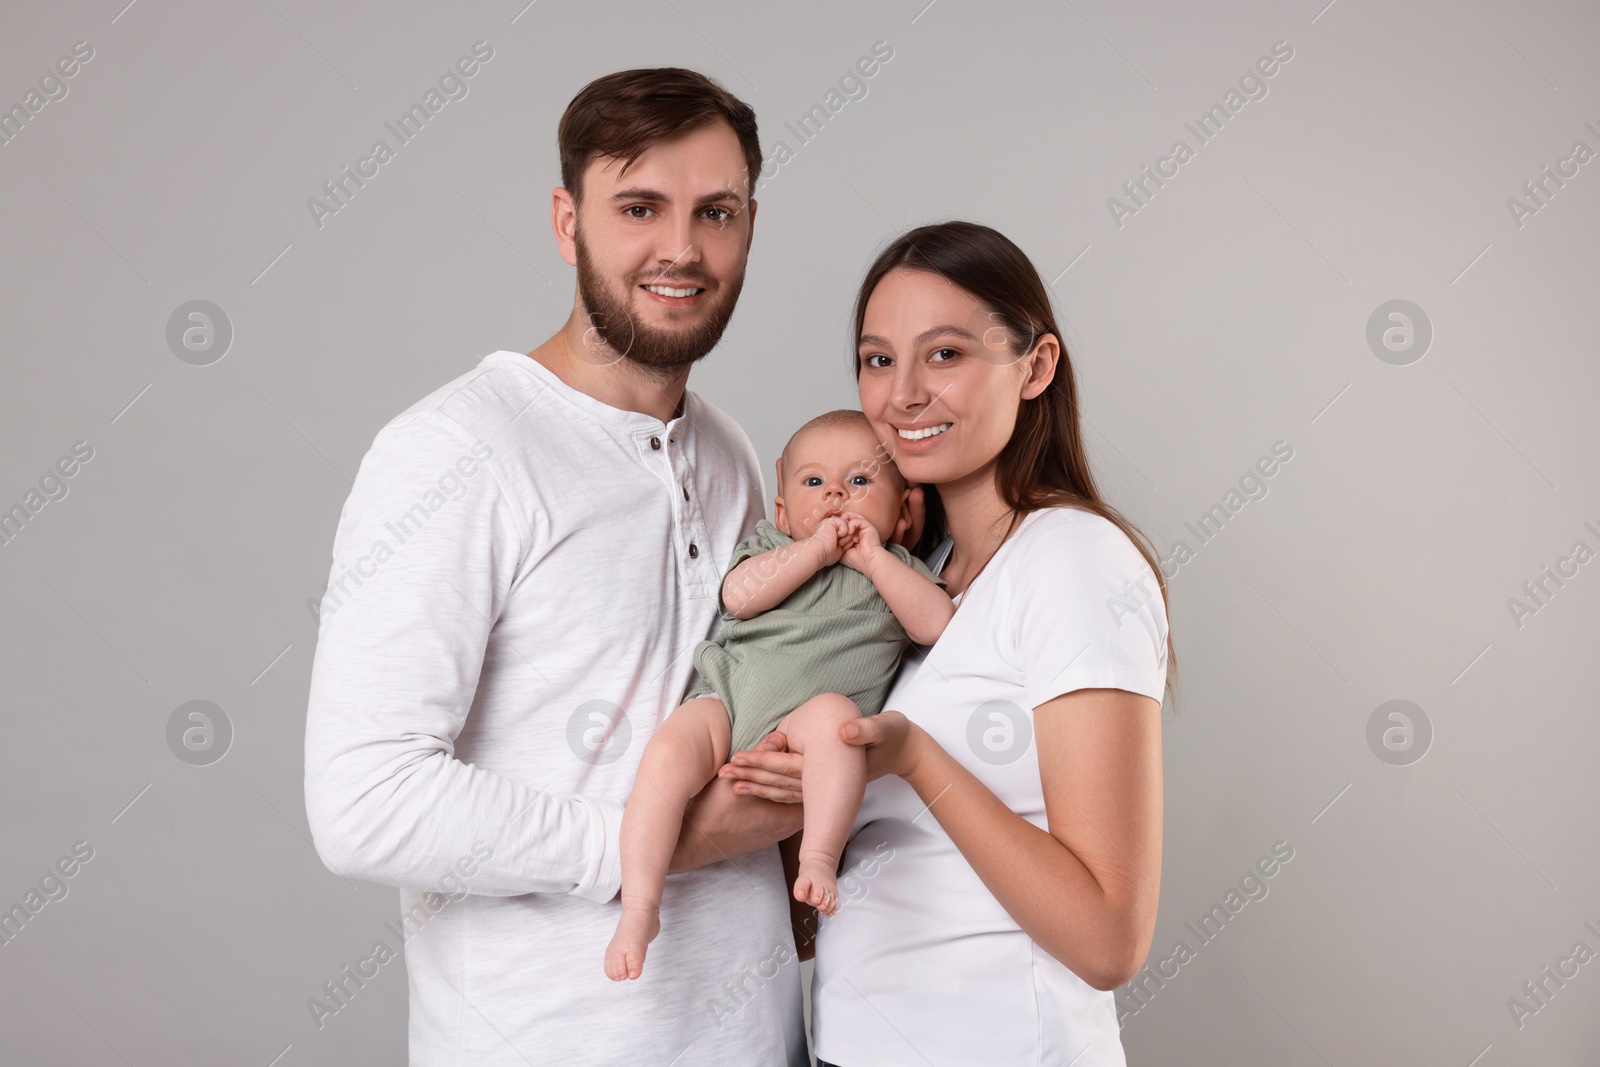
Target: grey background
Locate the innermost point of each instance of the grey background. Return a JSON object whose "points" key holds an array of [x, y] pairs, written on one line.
{"points": [[1228, 314]]}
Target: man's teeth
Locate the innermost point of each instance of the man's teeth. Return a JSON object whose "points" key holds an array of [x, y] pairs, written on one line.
{"points": [[669, 291], [917, 435]]}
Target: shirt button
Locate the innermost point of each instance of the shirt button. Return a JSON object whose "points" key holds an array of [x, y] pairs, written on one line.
{"points": [[693, 551], [655, 442]]}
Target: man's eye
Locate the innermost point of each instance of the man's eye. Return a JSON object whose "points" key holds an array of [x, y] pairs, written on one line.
{"points": [[629, 210], [719, 214]]}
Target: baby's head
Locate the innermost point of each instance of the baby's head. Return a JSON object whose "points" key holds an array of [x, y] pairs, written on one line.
{"points": [[835, 463]]}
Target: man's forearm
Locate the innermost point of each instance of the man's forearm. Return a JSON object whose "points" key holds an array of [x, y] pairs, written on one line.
{"points": [[721, 824]]}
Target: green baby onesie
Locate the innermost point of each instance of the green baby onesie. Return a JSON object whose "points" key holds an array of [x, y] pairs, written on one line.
{"points": [[834, 634]]}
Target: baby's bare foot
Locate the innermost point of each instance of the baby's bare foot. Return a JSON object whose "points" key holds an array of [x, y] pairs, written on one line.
{"points": [[639, 925], [816, 886]]}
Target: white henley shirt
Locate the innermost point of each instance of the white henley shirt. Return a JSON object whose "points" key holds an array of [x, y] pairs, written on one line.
{"points": [[520, 576]]}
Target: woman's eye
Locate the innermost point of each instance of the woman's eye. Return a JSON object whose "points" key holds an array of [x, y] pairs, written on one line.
{"points": [[876, 355], [953, 353]]}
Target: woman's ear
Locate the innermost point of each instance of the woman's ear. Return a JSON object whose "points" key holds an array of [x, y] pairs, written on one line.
{"points": [[1045, 356], [908, 528]]}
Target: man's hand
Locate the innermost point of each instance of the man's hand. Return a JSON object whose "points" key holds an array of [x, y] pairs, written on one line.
{"points": [[769, 770], [744, 812]]}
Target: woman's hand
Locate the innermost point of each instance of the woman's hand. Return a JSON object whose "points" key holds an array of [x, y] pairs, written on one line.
{"points": [[769, 770], [894, 744]]}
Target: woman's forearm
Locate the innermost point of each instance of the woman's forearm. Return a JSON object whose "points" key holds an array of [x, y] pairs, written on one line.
{"points": [[1041, 883]]}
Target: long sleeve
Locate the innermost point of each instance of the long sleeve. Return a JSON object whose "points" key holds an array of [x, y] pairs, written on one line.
{"points": [[428, 547]]}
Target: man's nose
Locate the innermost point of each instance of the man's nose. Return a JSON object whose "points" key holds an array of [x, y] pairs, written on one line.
{"points": [[678, 247]]}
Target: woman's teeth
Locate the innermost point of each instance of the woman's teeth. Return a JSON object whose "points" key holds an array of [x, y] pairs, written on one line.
{"points": [[665, 290], [917, 435]]}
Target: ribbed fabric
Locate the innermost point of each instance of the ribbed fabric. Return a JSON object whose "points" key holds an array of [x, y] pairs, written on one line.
{"points": [[834, 634]]}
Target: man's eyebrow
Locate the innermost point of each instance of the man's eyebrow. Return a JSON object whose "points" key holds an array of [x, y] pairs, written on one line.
{"points": [[922, 338], [658, 197]]}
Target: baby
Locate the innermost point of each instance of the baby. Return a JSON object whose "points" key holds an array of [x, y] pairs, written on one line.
{"points": [[816, 611]]}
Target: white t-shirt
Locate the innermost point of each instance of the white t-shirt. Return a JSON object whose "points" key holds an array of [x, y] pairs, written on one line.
{"points": [[520, 576], [921, 965]]}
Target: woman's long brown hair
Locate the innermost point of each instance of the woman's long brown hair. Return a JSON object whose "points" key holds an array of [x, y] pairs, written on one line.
{"points": [[1044, 464]]}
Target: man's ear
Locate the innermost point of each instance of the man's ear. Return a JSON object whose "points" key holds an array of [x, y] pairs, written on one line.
{"points": [[564, 221], [908, 527]]}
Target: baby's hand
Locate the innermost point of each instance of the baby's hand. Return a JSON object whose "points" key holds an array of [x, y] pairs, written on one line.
{"points": [[832, 535], [865, 542]]}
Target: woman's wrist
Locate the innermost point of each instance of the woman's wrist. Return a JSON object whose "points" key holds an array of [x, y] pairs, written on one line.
{"points": [[918, 756]]}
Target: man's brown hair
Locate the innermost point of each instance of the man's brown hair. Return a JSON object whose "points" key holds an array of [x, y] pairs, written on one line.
{"points": [[623, 114]]}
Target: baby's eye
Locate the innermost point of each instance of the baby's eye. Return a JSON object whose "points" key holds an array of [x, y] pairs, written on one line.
{"points": [[859, 479], [811, 479]]}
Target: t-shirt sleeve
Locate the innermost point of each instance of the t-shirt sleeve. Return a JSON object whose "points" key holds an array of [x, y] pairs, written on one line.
{"points": [[904, 556], [1087, 612]]}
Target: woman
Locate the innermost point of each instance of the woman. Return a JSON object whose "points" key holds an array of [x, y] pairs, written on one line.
{"points": [[1003, 873]]}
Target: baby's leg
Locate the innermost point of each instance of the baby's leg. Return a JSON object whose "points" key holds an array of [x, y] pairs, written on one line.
{"points": [[832, 783], [680, 759]]}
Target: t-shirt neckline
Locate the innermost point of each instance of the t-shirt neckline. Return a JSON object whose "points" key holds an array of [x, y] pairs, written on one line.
{"points": [[598, 409]]}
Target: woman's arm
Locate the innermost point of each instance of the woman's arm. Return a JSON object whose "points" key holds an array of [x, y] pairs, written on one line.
{"points": [[1087, 890]]}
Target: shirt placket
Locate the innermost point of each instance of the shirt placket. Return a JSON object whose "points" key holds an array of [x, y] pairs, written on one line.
{"points": [[666, 452]]}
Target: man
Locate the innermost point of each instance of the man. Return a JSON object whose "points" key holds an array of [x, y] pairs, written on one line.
{"points": [[521, 573]]}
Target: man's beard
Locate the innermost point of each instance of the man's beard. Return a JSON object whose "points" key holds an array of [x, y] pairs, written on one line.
{"points": [[645, 345]]}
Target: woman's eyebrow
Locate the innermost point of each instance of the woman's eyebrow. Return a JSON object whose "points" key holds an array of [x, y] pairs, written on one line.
{"points": [[922, 338]]}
